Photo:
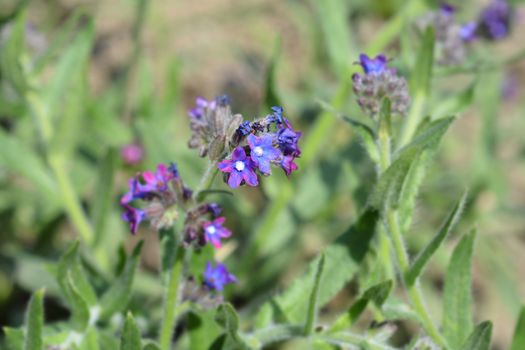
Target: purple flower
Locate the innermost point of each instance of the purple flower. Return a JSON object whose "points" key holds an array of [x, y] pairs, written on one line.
{"points": [[287, 140], [288, 165], [214, 231], [200, 108], [276, 116], [134, 216], [132, 154], [216, 278], [467, 31], [373, 65], [495, 20], [214, 208], [240, 168], [262, 151], [447, 9]]}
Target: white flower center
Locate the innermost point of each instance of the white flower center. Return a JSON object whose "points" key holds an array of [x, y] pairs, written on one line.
{"points": [[258, 151], [211, 230], [239, 166]]}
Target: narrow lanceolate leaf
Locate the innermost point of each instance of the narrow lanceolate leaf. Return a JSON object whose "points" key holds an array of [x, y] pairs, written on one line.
{"points": [[151, 346], [397, 187], [457, 298], [35, 322], [90, 340], [376, 294], [422, 73], [424, 256], [313, 305], [518, 341], [103, 194], [130, 338], [480, 337], [71, 272], [347, 251], [118, 295], [14, 338]]}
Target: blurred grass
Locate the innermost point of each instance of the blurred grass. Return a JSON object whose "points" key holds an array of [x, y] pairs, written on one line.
{"points": [[140, 80]]}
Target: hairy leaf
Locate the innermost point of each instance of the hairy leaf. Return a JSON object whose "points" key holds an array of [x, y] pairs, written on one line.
{"points": [[130, 338], [14, 338], [313, 305], [117, 297], [348, 250], [422, 73], [518, 341], [480, 337], [457, 298], [34, 322], [424, 256]]}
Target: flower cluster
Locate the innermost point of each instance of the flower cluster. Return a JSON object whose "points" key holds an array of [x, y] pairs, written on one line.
{"points": [[379, 81], [251, 148], [452, 39], [162, 195]]}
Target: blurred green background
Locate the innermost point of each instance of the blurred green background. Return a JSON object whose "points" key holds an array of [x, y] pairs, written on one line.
{"points": [[147, 62]]}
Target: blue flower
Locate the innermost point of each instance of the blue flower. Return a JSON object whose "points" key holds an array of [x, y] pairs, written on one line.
{"points": [[213, 208], [214, 231], [373, 65], [244, 129], [467, 31], [240, 168], [217, 277], [276, 116], [262, 151], [288, 165], [134, 216]]}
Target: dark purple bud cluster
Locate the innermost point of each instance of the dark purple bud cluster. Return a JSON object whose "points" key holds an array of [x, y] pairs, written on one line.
{"points": [[494, 22], [258, 145], [452, 38], [213, 126], [378, 82]]}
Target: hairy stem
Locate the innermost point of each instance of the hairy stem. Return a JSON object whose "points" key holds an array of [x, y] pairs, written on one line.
{"points": [[171, 300], [391, 221]]}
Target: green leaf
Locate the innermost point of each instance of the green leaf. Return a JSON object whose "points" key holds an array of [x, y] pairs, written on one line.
{"points": [[376, 294], [14, 338], [480, 337], [103, 194], [313, 305], [90, 340], [79, 306], [333, 20], [457, 298], [271, 94], [117, 297], [518, 341], [12, 151], [202, 329], [70, 267], [151, 346], [422, 72], [228, 319], [130, 338], [34, 322], [396, 182], [11, 55], [348, 250], [424, 256]]}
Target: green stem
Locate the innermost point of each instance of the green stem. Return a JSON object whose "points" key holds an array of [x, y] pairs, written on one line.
{"points": [[391, 220], [207, 179], [171, 300]]}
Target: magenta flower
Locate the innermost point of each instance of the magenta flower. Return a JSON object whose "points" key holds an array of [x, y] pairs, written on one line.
{"points": [[216, 278], [240, 168], [262, 151], [134, 216], [214, 231], [288, 165], [159, 180], [132, 154]]}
